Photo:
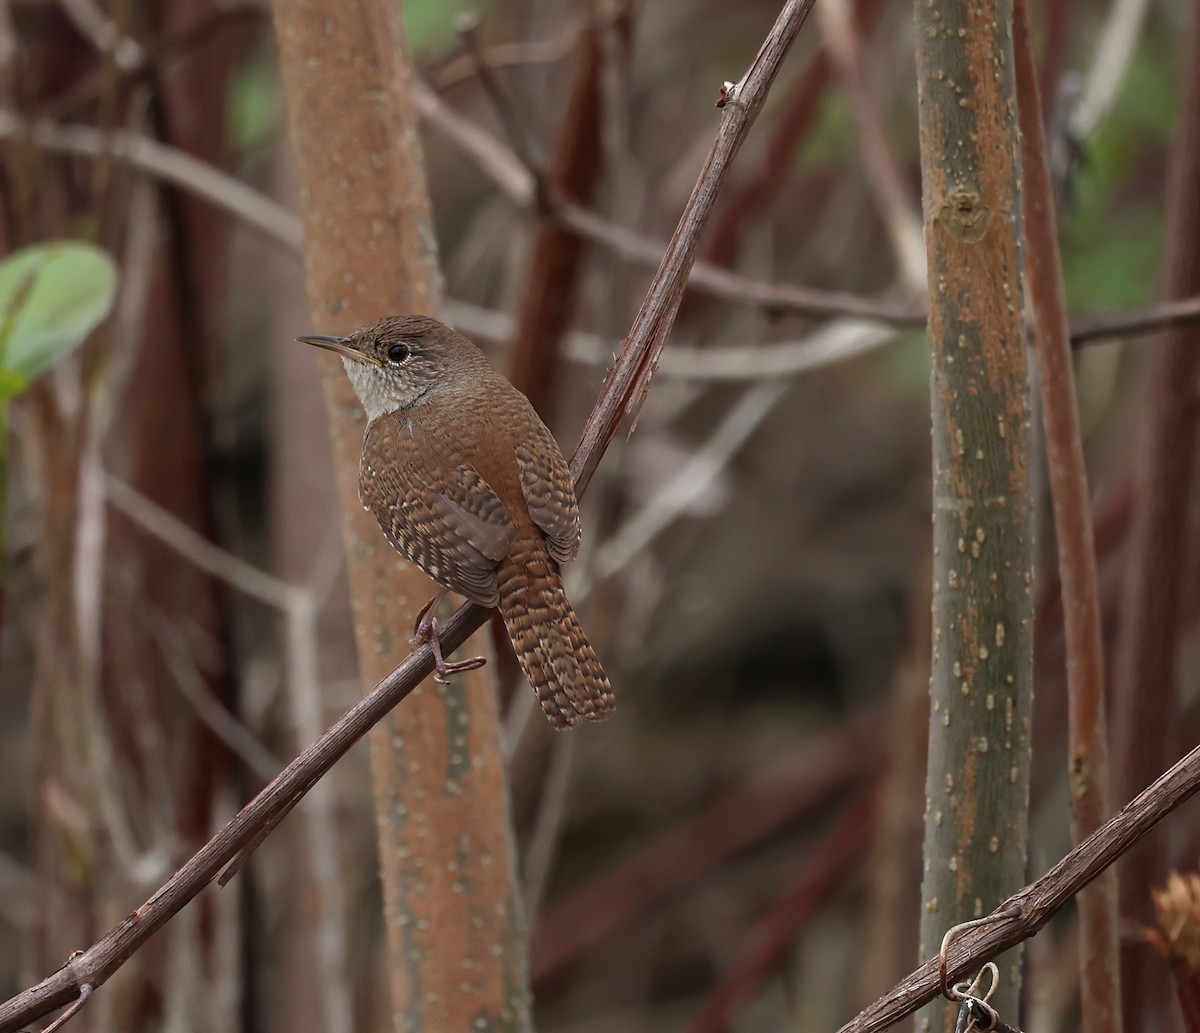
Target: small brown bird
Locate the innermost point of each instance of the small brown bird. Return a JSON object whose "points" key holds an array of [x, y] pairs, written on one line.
{"points": [[467, 483]]}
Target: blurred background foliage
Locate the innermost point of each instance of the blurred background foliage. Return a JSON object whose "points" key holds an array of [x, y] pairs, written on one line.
{"points": [[769, 643]]}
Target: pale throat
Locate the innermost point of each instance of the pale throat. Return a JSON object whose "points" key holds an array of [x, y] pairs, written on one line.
{"points": [[372, 388]]}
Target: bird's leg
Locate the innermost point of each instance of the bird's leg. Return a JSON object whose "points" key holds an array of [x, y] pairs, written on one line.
{"points": [[419, 635], [426, 630]]}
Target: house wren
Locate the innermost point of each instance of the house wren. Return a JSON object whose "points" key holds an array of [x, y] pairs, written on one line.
{"points": [[467, 483]]}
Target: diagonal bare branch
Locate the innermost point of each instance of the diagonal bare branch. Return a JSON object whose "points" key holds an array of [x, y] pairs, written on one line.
{"points": [[1032, 907], [631, 372]]}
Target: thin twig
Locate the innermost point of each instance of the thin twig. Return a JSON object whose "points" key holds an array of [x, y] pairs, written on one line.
{"points": [[629, 380], [897, 208], [692, 480], [461, 68], [498, 162], [100, 961], [85, 995], [505, 106], [1041, 900]]}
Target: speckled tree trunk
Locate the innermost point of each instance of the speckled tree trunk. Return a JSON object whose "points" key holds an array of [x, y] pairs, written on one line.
{"points": [[977, 785], [457, 953]]}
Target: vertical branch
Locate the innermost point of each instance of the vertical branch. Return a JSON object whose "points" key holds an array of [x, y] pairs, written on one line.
{"points": [[456, 958], [1087, 726], [1146, 703], [976, 823], [552, 283]]}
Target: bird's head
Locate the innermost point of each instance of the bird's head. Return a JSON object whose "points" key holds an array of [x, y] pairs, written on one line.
{"points": [[400, 361]]}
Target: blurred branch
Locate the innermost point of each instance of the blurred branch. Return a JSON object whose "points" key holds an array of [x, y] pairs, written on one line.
{"points": [[277, 223], [198, 550], [168, 164], [754, 195], [1032, 907], [539, 856], [90, 20], [95, 965], [299, 610], [1087, 724], [498, 163], [1118, 41], [691, 481], [240, 741], [133, 62], [892, 198], [555, 273], [463, 67], [680, 857], [505, 107], [829, 862], [1164, 315], [1146, 697]]}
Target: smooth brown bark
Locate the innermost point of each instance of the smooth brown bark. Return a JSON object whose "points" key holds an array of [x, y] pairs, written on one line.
{"points": [[457, 951]]}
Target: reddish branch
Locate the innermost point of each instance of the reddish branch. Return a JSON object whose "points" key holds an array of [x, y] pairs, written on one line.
{"points": [[682, 856], [1146, 701], [1087, 726], [772, 939], [552, 283]]}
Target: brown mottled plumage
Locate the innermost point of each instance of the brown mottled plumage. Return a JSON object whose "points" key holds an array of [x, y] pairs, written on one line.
{"points": [[467, 482]]}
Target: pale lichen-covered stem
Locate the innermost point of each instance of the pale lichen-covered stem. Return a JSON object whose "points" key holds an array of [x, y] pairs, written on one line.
{"points": [[981, 686]]}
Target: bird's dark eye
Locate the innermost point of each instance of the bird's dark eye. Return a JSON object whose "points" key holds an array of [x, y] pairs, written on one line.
{"points": [[397, 352]]}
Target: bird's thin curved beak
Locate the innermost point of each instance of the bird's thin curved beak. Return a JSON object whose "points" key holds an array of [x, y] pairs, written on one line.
{"points": [[340, 345]]}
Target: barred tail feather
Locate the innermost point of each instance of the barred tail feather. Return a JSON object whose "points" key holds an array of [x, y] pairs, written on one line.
{"points": [[549, 642]]}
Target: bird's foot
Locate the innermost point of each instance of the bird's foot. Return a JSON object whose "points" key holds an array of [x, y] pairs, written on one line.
{"points": [[427, 631]]}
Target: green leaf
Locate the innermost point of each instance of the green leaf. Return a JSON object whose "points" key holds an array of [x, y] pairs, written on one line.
{"points": [[51, 297], [11, 385]]}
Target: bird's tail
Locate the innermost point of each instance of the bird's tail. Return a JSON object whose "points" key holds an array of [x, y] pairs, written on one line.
{"points": [[550, 645]]}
